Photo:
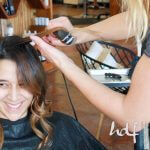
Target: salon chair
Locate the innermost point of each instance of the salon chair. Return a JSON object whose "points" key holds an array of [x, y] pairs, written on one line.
{"points": [[127, 58]]}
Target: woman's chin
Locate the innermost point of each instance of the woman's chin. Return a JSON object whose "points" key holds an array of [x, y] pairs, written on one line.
{"points": [[15, 117], [15, 112]]}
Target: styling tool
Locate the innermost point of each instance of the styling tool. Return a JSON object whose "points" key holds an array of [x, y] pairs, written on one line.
{"points": [[61, 33]]}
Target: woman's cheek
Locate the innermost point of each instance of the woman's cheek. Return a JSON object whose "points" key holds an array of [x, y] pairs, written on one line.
{"points": [[3, 93], [26, 94]]}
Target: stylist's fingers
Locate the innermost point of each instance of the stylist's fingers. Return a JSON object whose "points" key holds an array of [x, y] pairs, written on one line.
{"points": [[51, 53], [43, 47], [63, 22], [53, 41], [60, 22], [39, 42]]}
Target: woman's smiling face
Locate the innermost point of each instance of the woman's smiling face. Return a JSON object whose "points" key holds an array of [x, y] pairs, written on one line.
{"points": [[14, 98]]}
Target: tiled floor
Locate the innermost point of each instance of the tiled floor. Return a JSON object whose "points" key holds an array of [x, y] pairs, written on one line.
{"points": [[87, 114]]}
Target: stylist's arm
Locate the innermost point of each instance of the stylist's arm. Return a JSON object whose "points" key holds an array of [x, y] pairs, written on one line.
{"points": [[120, 108], [103, 30]]}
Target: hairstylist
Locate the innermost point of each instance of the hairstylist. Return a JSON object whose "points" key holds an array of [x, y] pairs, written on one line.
{"points": [[130, 108]]}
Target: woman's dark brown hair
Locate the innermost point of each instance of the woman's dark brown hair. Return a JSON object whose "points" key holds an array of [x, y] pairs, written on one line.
{"points": [[31, 74]]}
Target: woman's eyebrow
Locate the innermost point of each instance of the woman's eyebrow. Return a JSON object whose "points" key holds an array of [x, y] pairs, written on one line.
{"points": [[3, 80]]}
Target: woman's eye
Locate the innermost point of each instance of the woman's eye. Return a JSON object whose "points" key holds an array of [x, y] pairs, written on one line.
{"points": [[4, 85], [21, 84]]}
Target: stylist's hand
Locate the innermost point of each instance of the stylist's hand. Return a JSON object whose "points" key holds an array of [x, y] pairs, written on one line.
{"points": [[58, 22], [51, 53]]}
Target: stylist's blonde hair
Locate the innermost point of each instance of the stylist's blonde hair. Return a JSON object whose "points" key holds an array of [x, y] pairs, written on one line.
{"points": [[138, 15]]}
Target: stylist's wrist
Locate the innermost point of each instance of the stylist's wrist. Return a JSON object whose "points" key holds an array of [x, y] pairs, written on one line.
{"points": [[85, 34], [60, 60]]}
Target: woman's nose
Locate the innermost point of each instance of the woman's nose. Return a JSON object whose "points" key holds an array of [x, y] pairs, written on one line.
{"points": [[14, 93]]}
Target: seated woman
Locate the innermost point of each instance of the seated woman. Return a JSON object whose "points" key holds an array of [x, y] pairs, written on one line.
{"points": [[26, 118]]}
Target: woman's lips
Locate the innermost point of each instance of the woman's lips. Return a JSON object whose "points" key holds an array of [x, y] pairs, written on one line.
{"points": [[13, 107]]}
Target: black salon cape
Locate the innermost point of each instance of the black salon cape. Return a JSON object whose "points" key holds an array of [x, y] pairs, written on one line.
{"points": [[68, 135]]}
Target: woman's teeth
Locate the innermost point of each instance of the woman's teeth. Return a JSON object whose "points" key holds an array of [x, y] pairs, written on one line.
{"points": [[14, 106]]}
